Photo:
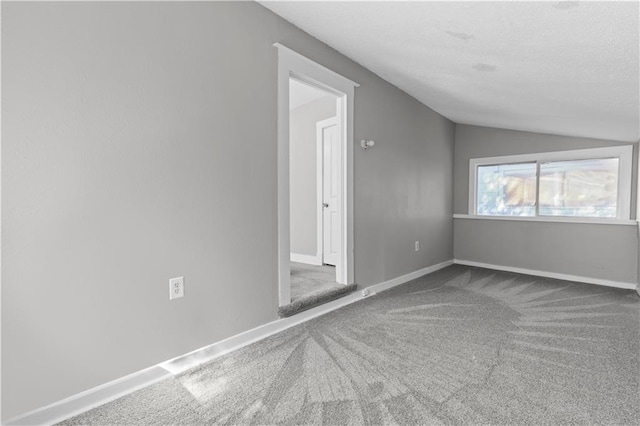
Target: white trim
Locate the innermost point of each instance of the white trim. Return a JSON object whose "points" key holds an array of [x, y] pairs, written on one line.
{"points": [[293, 65], [306, 258], [577, 154], [546, 274], [284, 244], [94, 397], [319, 194], [623, 152], [408, 277], [473, 188], [637, 147], [293, 54], [554, 219], [638, 214], [0, 218], [320, 125], [216, 350], [345, 271], [102, 394]]}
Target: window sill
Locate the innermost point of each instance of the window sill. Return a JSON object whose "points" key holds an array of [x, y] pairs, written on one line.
{"points": [[588, 220]]}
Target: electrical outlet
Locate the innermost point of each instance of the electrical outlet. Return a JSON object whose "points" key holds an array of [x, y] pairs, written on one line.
{"points": [[417, 245], [176, 288]]}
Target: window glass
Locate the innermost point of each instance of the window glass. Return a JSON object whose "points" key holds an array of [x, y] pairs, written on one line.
{"points": [[587, 188], [507, 190]]}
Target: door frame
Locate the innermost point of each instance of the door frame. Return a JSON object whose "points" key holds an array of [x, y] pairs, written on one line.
{"points": [[294, 65], [637, 148], [320, 126]]}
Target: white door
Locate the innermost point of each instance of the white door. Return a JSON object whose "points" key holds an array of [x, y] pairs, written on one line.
{"points": [[331, 222]]}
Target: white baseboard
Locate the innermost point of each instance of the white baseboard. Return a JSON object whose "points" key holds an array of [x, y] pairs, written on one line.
{"points": [[84, 401], [211, 352], [546, 274], [94, 397], [306, 258], [408, 277]]}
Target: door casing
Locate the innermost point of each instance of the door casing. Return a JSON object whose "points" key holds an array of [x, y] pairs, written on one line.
{"points": [[294, 65]]}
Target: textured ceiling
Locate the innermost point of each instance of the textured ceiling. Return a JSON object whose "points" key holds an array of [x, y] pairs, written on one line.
{"points": [[568, 68]]}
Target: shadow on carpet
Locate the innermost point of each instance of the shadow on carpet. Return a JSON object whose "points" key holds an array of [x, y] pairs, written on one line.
{"points": [[315, 299]]}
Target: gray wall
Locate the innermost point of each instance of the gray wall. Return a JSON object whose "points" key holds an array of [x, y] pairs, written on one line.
{"points": [[403, 188], [607, 252], [303, 173], [139, 144], [587, 250]]}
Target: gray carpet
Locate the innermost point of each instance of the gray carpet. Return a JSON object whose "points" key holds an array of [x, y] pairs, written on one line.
{"points": [[460, 346], [313, 286], [316, 298], [311, 279]]}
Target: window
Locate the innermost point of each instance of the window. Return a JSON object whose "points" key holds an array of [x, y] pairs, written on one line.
{"points": [[586, 188], [507, 190], [590, 183]]}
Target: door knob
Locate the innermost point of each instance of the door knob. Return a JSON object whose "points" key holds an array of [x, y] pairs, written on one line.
{"points": [[325, 205]]}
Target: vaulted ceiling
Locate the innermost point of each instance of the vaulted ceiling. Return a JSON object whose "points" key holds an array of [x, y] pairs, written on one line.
{"points": [[568, 68]]}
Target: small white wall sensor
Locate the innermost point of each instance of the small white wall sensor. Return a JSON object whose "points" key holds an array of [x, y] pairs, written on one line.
{"points": [[367, 144]]}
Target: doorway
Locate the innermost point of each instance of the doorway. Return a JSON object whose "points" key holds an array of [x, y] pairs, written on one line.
{"points": [[315, 219], [336, 142]]}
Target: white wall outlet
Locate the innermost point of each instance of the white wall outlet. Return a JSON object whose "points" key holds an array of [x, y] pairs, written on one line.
{"points": [[417, 245], [176, 288]]}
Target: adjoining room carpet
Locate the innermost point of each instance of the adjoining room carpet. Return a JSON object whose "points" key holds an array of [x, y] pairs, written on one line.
{"points": [[460, 346], [313, 286], [316, 298], [308, 279]]}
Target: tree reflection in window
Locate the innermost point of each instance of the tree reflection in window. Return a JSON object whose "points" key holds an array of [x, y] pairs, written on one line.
{"points": [[507, 190], [586, 188]]}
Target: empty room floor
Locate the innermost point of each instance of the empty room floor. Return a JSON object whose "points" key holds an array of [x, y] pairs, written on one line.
{"points": [[460, 346]]}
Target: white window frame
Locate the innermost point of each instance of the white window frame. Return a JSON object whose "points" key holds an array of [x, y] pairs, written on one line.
{"points": [[624, 153]]}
